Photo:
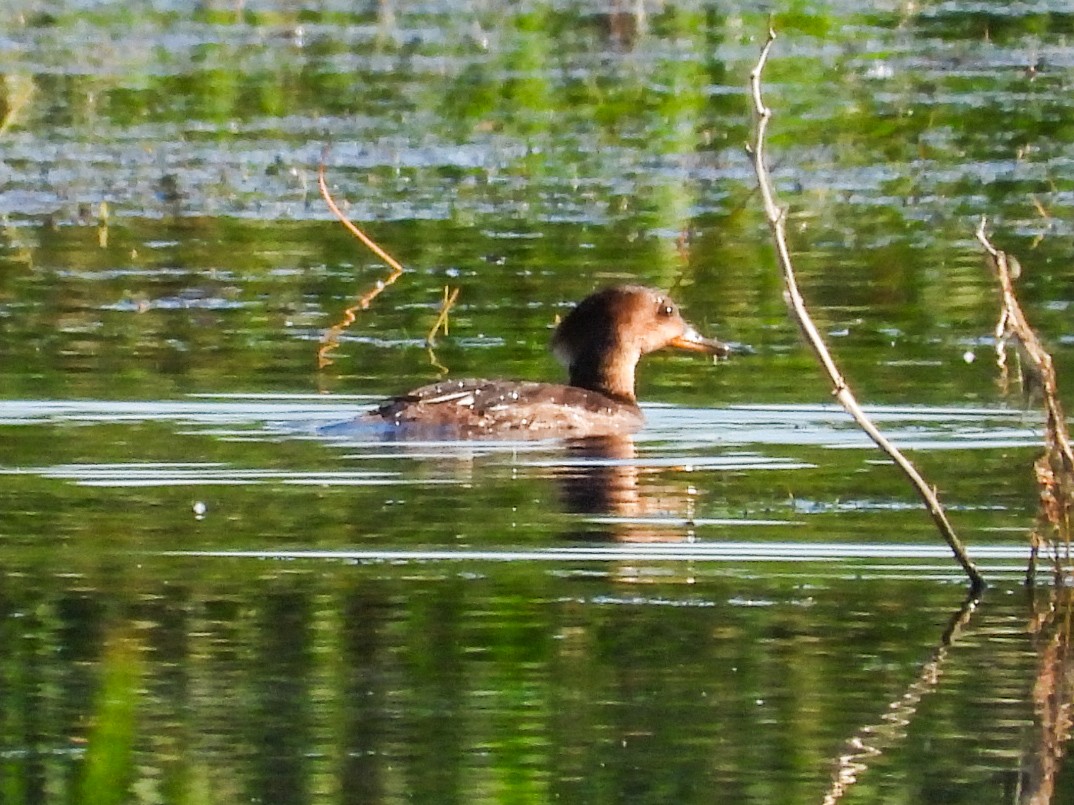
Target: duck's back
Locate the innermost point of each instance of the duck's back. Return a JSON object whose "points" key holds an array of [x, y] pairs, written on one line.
{"points": [[512, 409]]}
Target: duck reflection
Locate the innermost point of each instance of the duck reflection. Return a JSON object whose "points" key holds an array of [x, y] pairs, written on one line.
{"points": [[602, 480], [622, 23]]}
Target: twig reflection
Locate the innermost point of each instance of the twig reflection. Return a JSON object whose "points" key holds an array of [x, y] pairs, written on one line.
{"points": [[874, 739], [1053, 693]]}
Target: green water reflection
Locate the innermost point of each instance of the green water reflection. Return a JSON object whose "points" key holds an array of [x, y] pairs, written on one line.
{"points": [[163, 244], [477, 682]]}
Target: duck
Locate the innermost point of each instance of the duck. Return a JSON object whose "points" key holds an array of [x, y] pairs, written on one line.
{"points": [[599, 342]]}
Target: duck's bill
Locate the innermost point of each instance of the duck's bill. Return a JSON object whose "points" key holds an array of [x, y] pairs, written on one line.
{"points": [[692, 341]]}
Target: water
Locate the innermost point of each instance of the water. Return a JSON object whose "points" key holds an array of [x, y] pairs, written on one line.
{"points": [[208, 595]]}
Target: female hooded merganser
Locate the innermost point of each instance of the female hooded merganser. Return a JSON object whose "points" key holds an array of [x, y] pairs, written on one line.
{"points": [[599, 342]]}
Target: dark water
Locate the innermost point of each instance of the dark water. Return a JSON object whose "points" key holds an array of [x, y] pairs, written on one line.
{"points": [[207, 598]]}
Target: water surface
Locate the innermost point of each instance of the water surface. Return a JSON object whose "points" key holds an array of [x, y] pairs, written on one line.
{"points": [[209, 597]]}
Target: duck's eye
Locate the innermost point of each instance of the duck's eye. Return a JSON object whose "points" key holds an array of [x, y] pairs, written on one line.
{"points": [[665, 309]]}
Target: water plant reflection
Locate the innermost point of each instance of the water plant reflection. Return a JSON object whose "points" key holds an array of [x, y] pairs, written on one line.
{"points": [[1051, 617]]}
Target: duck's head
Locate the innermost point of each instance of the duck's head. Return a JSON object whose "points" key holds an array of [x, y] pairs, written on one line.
{"points": [[601, 341]]}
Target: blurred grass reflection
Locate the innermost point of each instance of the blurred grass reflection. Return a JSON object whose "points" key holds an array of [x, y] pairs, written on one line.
{"points": [[483, 684], [110, 767]]}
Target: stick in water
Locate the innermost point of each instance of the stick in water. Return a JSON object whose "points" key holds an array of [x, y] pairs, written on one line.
{"points": [[777, 220], [331, 337]]}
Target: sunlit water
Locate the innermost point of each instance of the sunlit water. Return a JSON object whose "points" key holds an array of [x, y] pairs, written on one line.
{"points": [[213, 593]]}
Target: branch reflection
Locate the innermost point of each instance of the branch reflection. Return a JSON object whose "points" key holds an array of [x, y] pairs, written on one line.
{"points": [[873, 740], [1049, 624]]}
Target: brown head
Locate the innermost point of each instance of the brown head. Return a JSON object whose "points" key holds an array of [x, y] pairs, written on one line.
{"points": [[601, 341]]}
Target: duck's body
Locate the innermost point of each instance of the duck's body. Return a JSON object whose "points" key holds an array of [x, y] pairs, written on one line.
{"points": [[600, 342], [475, 408]]}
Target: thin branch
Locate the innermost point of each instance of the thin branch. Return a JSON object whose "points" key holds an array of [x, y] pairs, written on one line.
{"points": [[1013, 322], [1054, 470], [331, 337], [351, 227], [777, 220]]}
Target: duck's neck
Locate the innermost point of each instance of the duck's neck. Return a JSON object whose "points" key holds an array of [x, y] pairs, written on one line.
{"points": [[610, 375]]}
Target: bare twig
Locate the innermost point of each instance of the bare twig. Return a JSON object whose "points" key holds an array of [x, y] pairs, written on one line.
{"points": [[1054, 470], [777, 223], [1013, 322], [331, 337]]}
